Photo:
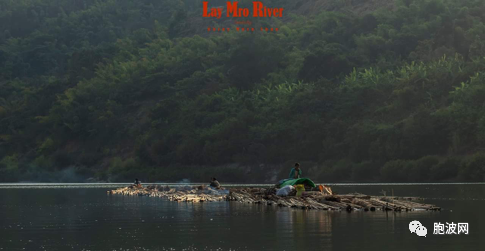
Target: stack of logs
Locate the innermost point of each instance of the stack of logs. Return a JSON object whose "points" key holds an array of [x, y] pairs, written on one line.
{"points": [[179, 193], [267, 196]]}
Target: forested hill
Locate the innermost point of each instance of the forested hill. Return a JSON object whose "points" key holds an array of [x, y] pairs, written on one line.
{"points": [[114, 89]]}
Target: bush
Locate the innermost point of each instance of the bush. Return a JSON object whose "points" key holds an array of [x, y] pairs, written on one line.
{"points": [[420, 171], [62, 159], [42, 163], [9, 169], [396, 170], [446, 170], [127, 170], [341, 171], [473, 169], [365, 171]]}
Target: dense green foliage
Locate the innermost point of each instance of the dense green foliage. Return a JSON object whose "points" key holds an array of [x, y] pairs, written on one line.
{"points": [[114, 89]]}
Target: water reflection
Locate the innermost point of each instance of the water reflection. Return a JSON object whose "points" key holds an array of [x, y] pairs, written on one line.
{"points": [[77, 219]]}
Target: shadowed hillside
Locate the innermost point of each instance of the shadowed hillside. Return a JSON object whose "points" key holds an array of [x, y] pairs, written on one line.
{"points": [[354, 90]]}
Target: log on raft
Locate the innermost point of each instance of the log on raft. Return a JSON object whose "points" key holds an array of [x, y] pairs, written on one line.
{"points": [[267, 196]]}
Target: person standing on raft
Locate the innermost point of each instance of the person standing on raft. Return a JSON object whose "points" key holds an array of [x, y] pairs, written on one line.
{"points": [[137, 183], [296, 172]]}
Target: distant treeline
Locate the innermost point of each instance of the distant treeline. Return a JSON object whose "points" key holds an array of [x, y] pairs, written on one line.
{"points": [[115, 89]]}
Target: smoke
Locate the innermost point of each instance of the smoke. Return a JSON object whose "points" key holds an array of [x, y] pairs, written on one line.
{"points": [[184, 182], [68, 175]]}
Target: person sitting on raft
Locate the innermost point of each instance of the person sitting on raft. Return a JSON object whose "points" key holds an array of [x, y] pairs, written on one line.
{"points": [[296, 172], [215, 184], [137, 183]]}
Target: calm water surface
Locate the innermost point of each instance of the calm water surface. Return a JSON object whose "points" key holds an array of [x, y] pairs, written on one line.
{"points": [[83, 217]]}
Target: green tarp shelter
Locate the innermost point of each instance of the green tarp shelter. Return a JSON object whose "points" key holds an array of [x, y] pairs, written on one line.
{"points": [[304, 181]]}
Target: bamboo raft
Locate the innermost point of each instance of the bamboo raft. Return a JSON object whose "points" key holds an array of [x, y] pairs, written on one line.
{"points": [[267, 196]]}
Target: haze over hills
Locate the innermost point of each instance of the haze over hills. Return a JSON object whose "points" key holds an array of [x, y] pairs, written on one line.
{"points": [[354, 90]]}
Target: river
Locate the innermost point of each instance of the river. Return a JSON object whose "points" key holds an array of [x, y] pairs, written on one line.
{"points": [[84, 217]]}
